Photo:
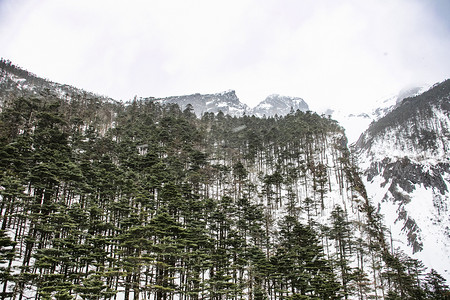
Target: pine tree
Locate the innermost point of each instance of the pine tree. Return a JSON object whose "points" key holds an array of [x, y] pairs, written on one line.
{"points": [[7, 254], [300, 263], [403, 284], [435, 286], [168, 242], [341, 233]]}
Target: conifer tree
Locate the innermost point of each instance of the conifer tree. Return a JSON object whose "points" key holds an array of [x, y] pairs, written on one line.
{"points": [[302, 269], [435, 286], [7, 254], [341, 233], [105, 200]]}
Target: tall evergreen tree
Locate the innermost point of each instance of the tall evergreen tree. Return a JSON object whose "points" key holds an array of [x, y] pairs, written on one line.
{"points": [[301, 265], [7, 255], [435, 286], [340, 232]]}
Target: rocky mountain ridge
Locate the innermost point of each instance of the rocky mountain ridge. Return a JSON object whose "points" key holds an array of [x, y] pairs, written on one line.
{"points": [[15, 81], [279, 105], [228, 103]]}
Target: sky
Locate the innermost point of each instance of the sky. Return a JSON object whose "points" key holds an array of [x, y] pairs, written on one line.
{"points": [[344, 55]]}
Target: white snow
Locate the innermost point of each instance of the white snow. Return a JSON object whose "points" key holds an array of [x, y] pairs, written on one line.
{"points": [[265, 106], [222, 104]]}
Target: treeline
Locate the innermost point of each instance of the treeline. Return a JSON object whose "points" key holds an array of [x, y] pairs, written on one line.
{"points": [[107, 201]]}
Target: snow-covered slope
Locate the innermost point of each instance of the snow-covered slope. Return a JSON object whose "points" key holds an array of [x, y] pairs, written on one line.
{"points": [[406, 165]]}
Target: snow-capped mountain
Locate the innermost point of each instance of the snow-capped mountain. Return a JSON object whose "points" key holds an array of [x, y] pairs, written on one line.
{"points": [[406, 165], [279, 105], [227, 102], [356, 123]]}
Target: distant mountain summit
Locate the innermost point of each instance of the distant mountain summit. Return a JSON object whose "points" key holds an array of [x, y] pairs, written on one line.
{"points": [[385, 106], [15, 81], [227, 102], [279, 105]]}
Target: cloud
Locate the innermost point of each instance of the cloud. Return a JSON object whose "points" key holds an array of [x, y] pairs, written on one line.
{"points": [[343, 54]]}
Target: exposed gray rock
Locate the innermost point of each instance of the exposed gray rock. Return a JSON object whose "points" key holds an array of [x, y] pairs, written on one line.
{"points": [[226, 102]]}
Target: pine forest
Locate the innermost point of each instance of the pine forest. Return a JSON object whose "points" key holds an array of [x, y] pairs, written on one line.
{"points": [[141, 200]]}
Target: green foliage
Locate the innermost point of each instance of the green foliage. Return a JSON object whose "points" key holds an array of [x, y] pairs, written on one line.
{"points": [[145, 200], [435, 286], [7, 255]]}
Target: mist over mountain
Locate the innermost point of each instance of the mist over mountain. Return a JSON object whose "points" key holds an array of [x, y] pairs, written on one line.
{"points": [[172, 199], [356, 123]]}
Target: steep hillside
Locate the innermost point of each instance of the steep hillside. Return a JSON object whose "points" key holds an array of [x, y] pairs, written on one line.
{"points": [[16, 82], [406, 164]]}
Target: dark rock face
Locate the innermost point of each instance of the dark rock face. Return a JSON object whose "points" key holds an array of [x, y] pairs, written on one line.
{"points": [[406, 174], [403, 177], [412, 230]]}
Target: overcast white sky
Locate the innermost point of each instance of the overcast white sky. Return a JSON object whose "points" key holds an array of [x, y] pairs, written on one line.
{"points": [[339, 54]]}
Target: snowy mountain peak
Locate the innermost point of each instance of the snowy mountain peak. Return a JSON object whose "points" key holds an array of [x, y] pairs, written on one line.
{"points": [[230, 92], [226, 101], [411, 92], [276, 104], [229, 103]]}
